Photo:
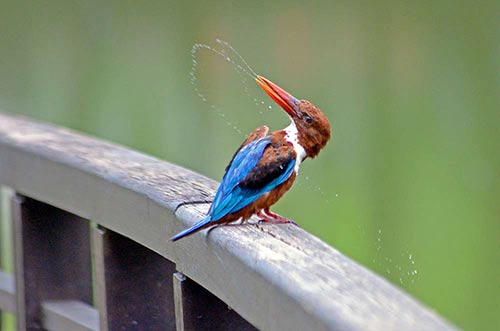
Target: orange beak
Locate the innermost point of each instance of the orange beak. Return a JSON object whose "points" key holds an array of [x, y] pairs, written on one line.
{"points": [[287, 101]]}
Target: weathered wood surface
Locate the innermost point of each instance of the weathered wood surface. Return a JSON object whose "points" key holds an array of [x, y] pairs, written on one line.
{"points": [[276, 277]]}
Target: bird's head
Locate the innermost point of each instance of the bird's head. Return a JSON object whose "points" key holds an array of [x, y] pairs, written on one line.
{"points": [[313, 128]]}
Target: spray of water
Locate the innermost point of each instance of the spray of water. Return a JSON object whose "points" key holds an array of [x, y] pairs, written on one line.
{"points": [[228, 54], [404, 269], [247, 76], [400, 268]]}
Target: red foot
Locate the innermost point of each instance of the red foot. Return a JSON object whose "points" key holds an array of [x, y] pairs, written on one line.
{"points": [[269, 217]]}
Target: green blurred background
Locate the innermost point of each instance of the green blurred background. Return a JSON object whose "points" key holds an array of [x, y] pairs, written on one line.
{"points": [[409, 186]]}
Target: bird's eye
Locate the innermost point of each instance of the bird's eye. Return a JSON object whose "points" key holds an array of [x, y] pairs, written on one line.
{"points": [[307, 118]]}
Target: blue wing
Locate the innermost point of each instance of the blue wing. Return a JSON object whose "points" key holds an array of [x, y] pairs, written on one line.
{"points": [[231, 196], [245, 180]]}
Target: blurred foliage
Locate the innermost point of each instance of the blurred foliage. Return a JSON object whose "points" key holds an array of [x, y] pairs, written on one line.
{"points": [[409, 185]]}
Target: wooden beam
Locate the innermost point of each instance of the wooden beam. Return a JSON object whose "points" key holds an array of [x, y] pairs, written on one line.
{"points": [[275, 277]]}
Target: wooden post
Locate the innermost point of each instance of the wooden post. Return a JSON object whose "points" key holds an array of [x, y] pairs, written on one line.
{"points": [[52, 258], [134, 288]]}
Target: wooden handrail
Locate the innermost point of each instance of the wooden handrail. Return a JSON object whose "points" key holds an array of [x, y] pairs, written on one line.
{"points": [[275, 277]]}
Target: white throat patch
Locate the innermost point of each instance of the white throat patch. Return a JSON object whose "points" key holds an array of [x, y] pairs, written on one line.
{"points": [[292, 137]]}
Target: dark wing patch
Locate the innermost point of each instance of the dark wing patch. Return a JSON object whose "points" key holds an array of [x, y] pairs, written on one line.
{"points": [[274, 162], [258, 133]]}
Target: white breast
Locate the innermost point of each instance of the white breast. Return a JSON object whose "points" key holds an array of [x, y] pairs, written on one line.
{"points": [[291, 137]]}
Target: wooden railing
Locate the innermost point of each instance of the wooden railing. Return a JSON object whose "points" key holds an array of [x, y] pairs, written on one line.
{"points": [[91, 222]]}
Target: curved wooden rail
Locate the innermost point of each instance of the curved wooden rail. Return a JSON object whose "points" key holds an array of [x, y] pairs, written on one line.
{"points": [[275, 277]]}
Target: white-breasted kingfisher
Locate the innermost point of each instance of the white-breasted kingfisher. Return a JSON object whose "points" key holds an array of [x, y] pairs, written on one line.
{"points": [[265, 165]]}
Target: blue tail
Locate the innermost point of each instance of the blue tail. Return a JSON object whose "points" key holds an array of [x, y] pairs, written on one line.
{"points": [[198, 226]]}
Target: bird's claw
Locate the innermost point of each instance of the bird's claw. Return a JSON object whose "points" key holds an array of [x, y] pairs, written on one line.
{"points": [[277, 220], [193, 202]]}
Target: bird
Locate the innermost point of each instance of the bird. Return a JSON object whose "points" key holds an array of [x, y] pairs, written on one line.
{"points": [[265, 166]]}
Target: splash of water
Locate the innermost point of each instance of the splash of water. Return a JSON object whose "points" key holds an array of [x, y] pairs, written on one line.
{"points": [[230, 55], [404, 269], [247, 76], [307, 186]]}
